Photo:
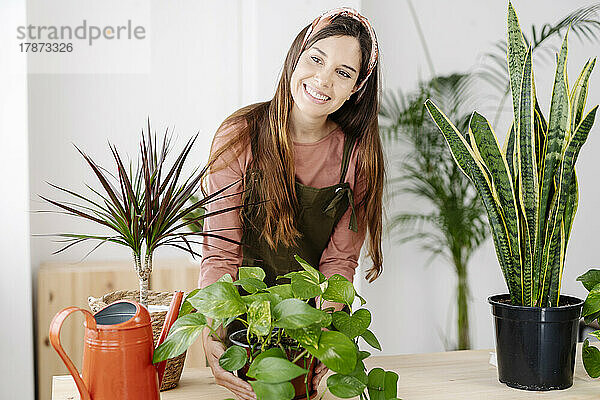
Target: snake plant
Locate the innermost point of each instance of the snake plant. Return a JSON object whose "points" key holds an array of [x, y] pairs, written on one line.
{"points": [[529, 186]]}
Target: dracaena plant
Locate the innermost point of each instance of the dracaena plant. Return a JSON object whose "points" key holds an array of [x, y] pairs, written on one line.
{"points": [[144, 207], [591, 313], [529, 186], [284, 330]]}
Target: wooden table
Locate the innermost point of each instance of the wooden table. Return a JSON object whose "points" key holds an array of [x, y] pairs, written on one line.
{"points": [[450, 375]]}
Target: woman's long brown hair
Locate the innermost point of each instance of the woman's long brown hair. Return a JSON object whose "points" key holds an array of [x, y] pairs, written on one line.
{"points": [[267, 124]]}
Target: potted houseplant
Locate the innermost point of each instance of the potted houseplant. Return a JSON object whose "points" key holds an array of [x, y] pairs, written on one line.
{"points": [[145, 206], [529, 190], [591, 313], [285, 335]]}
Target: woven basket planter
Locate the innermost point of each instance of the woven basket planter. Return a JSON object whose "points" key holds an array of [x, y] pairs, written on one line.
{"points": [[174, 366]]}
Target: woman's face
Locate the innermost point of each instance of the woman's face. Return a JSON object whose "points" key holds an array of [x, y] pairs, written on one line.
{"points": [[326, 75]]}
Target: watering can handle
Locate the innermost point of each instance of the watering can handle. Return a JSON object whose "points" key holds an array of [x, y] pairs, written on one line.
{"points": [[54, 334]]}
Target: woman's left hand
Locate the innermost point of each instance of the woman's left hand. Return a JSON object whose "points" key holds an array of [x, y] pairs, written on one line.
{"points": [[320, 371]]}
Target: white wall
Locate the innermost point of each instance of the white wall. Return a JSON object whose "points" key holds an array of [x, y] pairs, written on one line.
{"points": [[16, 339], [418, 309]]}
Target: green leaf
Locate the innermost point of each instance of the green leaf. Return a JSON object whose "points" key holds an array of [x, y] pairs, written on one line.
{"points": [[271, 391], [317, 275], [371, 339], [186, 307], [588, 319], [234, 358], [596, 334], [225, 278], [251, 272], [294, 314], [339, 290], [591, 359], [182, 334], [336, 351], [308, 336], [592, 302], [219, 301], [590, 279], [274, 370], [352, 326], [382, 385], [251, 298], [259, 318], [304, 287], [579, 94], [272, 352], [345, 386], [251, 285], [516, 53], [283, 291], [363, 354]]}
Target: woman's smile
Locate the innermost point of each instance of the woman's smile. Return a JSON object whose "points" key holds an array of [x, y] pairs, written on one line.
{"points": [[315, 95]]}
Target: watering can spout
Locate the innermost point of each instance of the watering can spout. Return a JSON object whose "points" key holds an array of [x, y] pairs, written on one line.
{"points": [[170, 318]]}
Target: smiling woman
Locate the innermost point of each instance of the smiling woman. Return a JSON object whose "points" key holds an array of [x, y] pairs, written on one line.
{"points": [[307, 165]]}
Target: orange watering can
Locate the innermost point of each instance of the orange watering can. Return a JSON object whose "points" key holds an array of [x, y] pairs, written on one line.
{"points": [[117, 353]]}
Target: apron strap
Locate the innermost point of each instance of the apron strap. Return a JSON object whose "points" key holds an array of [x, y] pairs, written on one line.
{"points": [[344, 191], [340, 193]]}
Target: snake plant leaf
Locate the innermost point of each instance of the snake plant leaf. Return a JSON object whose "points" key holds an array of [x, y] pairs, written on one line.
{"points": [[509, 152], [558, 132], [556, 263], [571, 206], [466, 160], [528, 180], [563, 181], [579, 94], [540, 127], [590, 279], [516, 54], [485, 145]]}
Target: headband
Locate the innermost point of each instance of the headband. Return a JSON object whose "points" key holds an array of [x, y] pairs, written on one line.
{"points": [[327, 17]]}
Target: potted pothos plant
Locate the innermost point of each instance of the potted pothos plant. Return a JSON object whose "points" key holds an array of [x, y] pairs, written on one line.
{"points": [[285, 334], [529, 189], [591, 314]]}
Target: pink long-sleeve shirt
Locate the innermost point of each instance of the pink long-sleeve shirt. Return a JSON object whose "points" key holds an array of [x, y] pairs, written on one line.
{"points": [[317, 164]]}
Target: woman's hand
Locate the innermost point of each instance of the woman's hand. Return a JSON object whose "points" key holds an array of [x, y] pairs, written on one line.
{"points": [[320, 371], [213, 350]]}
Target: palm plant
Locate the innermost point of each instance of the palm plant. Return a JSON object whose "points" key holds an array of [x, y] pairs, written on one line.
{"points": [[529, 187], [145, 207], [454, 224]]}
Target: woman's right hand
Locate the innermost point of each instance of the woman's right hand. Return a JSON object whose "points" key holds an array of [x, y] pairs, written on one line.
{"points": [[213, 350]]}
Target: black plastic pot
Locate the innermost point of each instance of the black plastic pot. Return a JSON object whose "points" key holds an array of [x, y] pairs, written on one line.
{"points": [[535, 347]]}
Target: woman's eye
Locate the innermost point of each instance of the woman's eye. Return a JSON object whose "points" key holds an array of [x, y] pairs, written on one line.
{"points": [[315, 59], [344, 74]]}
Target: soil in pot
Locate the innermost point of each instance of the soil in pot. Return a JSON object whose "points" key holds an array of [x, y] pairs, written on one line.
{"points": [[535, 346], [299, 383]]}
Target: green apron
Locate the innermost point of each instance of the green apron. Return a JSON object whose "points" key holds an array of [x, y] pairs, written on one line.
{"points": [[318, 214]]}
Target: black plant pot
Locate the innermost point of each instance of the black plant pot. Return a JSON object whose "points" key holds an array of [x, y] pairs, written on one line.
{"points": [[535, 347]]}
